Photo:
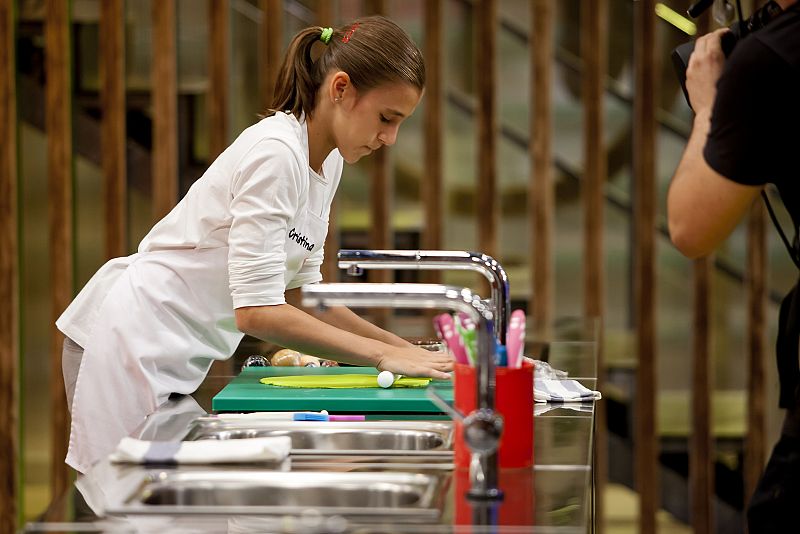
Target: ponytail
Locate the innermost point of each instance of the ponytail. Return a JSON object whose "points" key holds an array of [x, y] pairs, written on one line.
{"points": [[371, 50], [297, 82]]}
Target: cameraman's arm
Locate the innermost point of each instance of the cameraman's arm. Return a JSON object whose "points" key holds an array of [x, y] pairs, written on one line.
{"points": [[703, 207]]}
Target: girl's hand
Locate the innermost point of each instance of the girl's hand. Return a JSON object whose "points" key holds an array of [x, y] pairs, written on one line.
{"points": [[413, 361]]}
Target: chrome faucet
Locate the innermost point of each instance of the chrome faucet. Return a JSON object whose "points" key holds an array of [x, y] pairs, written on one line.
{"points": [[355, 261], [483, 427]]}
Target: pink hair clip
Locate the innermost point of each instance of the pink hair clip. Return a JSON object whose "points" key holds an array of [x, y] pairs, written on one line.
{"points": [[350, 32]]}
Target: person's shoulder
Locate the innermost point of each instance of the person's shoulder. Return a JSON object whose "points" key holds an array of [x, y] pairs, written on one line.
{"points": [[781, 37], [281, 127], [276, 135], [753, 60]]}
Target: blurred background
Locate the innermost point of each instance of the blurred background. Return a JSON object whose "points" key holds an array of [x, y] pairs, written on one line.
{"points": [[632, 47]]}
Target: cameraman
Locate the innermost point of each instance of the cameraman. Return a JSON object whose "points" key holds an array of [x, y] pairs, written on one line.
{"points": [[745, 135]]}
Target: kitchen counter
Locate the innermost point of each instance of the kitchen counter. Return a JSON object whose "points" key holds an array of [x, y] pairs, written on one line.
{"points": [[557, 495]]}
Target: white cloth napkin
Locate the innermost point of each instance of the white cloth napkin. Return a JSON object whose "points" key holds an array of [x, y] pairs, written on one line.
{"points": [[541, 408], [553, 390], [545, 370], [132, 450]]}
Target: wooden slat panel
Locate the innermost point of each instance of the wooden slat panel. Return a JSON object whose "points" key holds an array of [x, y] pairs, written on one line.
{"points": [[330, 267], [112, 102], [60, 183], [433, 174], [325, 13], [272, 43], [9, 274], [701, 446], [381, 199], [433, 178], [594, 50], [701, 456], [644, 147], [374, 7], [381, 195], [218, 76], [382, 185], [594, 27], [165, 109], [755, 449], [542, 198], [487, 213]]}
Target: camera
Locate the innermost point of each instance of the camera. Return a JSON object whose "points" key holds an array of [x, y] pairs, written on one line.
{"points": [[738, 30]]}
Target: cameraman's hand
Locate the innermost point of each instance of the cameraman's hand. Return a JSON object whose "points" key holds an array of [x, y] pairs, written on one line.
{"points": [[705, 68]]}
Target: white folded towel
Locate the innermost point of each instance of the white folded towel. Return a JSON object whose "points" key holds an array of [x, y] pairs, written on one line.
{"points": [[541, 408], [132, 450], [552, 390], [545, 370]]}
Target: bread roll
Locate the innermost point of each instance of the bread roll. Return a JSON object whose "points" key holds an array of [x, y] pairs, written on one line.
{"points": [[309, 361], [286, 358]]}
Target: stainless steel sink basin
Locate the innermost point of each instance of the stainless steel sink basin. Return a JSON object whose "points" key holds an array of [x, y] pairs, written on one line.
{"points": [[385, 438], [411, 495]]}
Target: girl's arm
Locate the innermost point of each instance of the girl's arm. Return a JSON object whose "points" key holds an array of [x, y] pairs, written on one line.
{"points": [[345, 319], [293, 328]]}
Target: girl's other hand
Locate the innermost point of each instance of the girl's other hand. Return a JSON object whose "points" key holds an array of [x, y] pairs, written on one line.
{"points": [[413, 361]]}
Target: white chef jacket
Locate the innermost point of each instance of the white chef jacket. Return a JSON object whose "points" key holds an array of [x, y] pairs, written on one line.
{"points": [[151, 324]]}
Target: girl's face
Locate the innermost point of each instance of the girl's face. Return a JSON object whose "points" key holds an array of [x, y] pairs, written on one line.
{"points": [[366, 121]]}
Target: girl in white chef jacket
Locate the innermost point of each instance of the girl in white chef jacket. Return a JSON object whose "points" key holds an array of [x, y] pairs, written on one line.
{"points": [[251, 228]]}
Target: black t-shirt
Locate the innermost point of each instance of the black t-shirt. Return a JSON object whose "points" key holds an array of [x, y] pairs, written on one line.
{"points": [[755, 124], [755, 139]]}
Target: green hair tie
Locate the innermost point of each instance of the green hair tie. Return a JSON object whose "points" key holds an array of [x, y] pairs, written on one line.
{"points": [[325, 37]]}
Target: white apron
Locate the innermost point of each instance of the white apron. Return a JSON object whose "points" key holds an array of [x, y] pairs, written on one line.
{"points": [[103, 483], [159, 327]]}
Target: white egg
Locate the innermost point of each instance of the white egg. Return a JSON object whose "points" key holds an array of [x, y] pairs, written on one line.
{"points": [[385, 379]]}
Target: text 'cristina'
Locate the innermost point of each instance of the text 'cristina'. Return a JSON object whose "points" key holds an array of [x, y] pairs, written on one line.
{"points": [[300, 239]]}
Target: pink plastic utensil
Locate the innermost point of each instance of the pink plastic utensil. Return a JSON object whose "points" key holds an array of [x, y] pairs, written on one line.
{"points": [[515, 340], [446, 329]]}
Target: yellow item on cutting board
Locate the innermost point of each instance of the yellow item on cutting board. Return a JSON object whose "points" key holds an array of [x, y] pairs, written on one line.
{"points": [[340, 381]]}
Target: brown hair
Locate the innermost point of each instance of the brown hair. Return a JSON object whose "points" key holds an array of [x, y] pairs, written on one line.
{"points": [[371, 50]]}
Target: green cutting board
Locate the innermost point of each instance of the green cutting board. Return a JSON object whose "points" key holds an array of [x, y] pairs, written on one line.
{"points": [[246, 394]]}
